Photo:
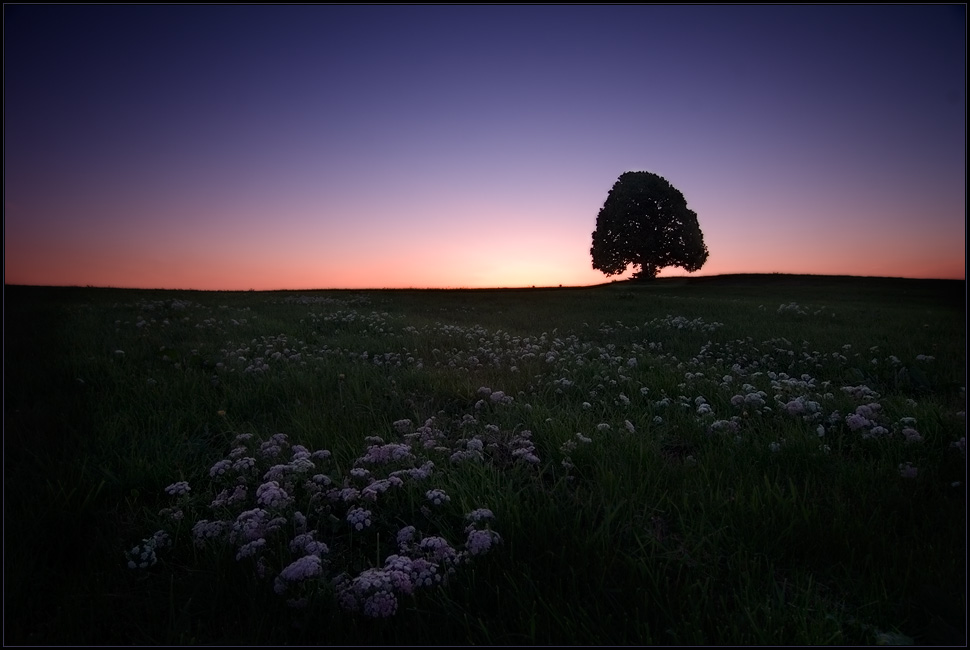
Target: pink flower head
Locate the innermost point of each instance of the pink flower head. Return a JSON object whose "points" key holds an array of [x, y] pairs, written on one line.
{"points": [[480, 541], [308, 566]]}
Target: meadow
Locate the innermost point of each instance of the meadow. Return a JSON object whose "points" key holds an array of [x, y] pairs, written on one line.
{"points": [[732, 460]]}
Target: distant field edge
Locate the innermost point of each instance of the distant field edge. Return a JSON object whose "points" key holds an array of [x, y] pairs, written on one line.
{"points": [[773, 280]]}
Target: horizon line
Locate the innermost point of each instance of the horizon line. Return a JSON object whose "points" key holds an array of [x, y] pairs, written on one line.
{"points": [[495, 288]]}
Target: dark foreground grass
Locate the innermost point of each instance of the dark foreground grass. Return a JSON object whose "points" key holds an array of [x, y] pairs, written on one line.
{"points": [[729, 460]]}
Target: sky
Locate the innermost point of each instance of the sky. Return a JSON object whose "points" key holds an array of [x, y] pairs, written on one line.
{"points": [[299, 147]]}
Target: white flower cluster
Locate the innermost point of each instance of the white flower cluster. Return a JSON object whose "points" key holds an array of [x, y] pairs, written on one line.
{"points": [[143, 555]]}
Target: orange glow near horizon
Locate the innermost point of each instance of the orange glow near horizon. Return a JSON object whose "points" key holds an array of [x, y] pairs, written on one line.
{"points": [[211, 270], [472, 252]]}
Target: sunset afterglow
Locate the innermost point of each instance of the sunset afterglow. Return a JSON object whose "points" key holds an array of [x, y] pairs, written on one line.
{"points": [[291, 147]]}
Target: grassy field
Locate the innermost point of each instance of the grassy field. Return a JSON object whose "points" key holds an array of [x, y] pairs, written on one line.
{"points": [[728, 460]]}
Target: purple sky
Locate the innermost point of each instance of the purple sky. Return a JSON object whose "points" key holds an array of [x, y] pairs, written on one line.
{"points": [[272, 147]]}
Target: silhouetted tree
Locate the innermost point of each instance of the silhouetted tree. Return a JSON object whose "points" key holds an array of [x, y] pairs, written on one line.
{"points": [[645, 222]]}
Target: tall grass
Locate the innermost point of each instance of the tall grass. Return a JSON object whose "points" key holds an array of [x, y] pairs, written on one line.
{"points": [[713, 461]]}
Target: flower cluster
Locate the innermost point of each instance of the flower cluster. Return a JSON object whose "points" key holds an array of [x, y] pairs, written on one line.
{"points": [[274, 504], [418, 564], [143, 555]]}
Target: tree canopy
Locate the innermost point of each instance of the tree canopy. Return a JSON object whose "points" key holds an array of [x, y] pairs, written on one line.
{"points": [[645, 222]]}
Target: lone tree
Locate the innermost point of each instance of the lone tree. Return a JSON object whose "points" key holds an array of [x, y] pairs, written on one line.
{"points": [[645, 221]]}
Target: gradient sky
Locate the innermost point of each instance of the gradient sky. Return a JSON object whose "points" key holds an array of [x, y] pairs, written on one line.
{"points": [[288, 147]]}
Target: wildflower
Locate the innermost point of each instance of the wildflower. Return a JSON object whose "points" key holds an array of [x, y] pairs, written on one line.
{"points": [[306, 567], [912, 435], [372, 491], [220, 468], [423, 472], [424, 573], [220, 499], [724, 425], [405, 536], [178, 489], [795, 407], [906, 470], [349, 494], [398, 568], [755, 399], [860, 392], [175, 514], [372, 592], [438, 549], [527, 455], [239, 494], [276, 473], [359, 518], [237, 453], [252, 524], [305, 544], [480, 541], [479, 515], [380, 605], [205, 529], [243, 465], [437, 497], [269, 450], [250, 549], [381, 453], [868, 410], [602, 426], [143, 555], [271, 495], [629, 426]]}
